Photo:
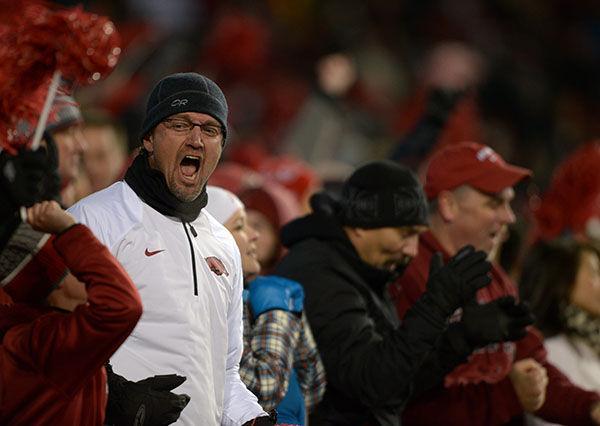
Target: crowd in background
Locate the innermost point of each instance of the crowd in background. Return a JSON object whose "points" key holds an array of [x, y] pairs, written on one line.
{"points": [[316, 89], [335, 84]]}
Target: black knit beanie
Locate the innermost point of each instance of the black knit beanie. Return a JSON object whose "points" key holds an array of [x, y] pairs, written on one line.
{"points": [[185, 92], [382, 194]]}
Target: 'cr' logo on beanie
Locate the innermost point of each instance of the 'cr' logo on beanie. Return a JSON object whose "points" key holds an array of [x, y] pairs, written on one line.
{"points": [[179, 102]]}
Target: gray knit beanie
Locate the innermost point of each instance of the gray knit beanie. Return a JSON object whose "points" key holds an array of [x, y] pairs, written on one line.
{"points": [[185, 92]]}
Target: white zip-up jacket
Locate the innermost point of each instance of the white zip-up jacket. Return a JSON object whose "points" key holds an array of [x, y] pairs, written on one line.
{"points": [[189, 277]]}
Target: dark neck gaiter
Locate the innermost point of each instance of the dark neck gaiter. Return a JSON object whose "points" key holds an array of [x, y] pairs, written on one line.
{"points": [[150, 185]]}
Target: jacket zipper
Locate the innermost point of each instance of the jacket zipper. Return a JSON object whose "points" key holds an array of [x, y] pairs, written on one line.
{"points": [[187, 234]]}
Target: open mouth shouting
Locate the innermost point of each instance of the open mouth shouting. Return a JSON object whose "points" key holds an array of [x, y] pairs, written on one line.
{"points": [[190, 167]]}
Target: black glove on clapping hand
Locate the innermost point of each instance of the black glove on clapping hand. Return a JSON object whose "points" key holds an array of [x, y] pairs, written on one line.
{"points": [[450, 286], [147, 402], [497, 321]]}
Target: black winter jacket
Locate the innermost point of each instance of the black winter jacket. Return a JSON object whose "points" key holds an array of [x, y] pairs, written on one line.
{"points": [[370, 360]]}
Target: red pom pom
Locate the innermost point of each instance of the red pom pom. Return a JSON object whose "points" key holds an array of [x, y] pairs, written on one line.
{"points": [[34, 43], [571, 199], [88, 47]]}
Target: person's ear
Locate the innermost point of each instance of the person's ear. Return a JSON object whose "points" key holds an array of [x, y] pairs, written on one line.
{"points": [[148, 143], [447, 206], [357, 232]]}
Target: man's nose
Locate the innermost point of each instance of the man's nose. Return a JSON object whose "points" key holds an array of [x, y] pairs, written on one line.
{"points": [[411, 246], [507, 215], [254, 234], [195, 138]]}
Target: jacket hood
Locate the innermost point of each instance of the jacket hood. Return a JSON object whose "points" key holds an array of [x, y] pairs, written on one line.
{"points": [[322, 224], [315, 225], [325, 227]]}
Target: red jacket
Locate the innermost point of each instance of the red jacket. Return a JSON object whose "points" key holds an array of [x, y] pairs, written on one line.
{"points": [[51, 362], [480, 392]]}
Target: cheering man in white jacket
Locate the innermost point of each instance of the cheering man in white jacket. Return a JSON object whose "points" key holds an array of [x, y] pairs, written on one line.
{"points": [[184, 263]]}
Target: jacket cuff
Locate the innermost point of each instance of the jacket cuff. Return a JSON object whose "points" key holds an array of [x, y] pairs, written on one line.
{"points": [[455, 339], [70, 235]]}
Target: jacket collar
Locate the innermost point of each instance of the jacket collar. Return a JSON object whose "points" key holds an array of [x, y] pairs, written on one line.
{"points": [[326, 228], [429, 242]]}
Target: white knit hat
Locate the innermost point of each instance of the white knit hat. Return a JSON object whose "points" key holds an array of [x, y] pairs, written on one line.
{"points": [[222, 204]]}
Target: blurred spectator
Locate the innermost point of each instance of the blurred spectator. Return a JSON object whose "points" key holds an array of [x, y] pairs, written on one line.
{"points": [[294, 174], [280, 363], [538, 93], [65, 124], [268, 207], [443, 108], [571, 205], [289, 171], [105, 157], [329, 125], [248, 152], [470, 188], [561, 281], [264, 93], [177, 17], [344, 254], [235, 177]]}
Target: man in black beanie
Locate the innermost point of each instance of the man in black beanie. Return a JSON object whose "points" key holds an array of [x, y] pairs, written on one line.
{"points": [[154, 222], [345, 253]]}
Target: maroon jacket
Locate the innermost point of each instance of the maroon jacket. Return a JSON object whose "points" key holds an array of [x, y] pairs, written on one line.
{"points": [[480, 392], [51, 361]]}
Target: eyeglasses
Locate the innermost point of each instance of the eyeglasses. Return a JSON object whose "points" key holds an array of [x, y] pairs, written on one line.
{"points": [[180, 125]]}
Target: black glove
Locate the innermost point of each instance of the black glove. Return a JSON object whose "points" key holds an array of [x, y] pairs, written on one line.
{"points": [[269, 420], [27, 178], [498, 321], [450, 286], [147, 402]]}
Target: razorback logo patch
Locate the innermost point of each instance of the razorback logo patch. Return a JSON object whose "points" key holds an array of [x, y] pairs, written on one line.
{"points": [[216, 266]]}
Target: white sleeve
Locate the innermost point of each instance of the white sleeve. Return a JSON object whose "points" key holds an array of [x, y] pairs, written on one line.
{"points": [[240, 405]]}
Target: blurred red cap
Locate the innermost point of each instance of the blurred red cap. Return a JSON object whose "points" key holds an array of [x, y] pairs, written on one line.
{"points": [[470, 164], [293, 173], [234, 177], [274, 201]]}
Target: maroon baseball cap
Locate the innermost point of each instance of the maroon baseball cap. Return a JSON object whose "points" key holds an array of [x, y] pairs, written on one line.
{"points": [[470, 164]]}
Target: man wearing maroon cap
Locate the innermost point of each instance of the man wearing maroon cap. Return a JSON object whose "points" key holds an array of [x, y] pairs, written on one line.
{"points": [[470, 188]]}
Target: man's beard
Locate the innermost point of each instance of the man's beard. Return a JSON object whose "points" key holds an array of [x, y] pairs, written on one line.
{"points": [[185, 196]]}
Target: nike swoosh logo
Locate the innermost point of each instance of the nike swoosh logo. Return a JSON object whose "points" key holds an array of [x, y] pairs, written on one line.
{"points": [[152, 253]]}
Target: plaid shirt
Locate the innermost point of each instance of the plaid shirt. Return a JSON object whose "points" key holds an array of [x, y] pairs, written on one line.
{"points": [[277, 342]]}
